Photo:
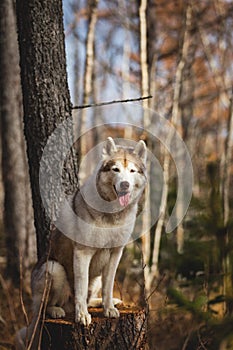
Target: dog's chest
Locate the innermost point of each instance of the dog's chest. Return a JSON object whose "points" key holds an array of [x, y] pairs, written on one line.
{"points": [[121, 218], [99, 261]]}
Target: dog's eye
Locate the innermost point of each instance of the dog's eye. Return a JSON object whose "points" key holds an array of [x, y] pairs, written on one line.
{"points": [[117, 170], [132, 170]]}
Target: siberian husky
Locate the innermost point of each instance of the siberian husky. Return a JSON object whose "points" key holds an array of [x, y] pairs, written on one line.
{"points": [[95, 240]]}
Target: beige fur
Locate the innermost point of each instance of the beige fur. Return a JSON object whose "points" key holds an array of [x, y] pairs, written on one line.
{"points": [[97, 222]]}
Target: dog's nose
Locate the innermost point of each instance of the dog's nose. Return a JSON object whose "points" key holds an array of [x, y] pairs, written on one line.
{"points": [[124, 185]]}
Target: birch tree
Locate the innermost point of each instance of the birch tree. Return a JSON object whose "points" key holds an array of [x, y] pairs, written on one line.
{"points": [[146, 218], [89, 70]]}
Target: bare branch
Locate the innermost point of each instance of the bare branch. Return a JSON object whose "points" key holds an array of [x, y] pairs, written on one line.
{"points": [[112, 102], [21, 289], [10, 302]]}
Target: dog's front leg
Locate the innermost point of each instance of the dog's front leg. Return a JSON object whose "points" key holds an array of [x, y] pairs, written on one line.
{"points": [[82, 258], [109, 273]]}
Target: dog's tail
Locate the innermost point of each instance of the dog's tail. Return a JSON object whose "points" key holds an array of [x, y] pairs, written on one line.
{"points": [[20, 339], [28, 338]]}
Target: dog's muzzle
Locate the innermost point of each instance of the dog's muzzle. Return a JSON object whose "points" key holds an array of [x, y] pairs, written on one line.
{"points": [[123, 194]]}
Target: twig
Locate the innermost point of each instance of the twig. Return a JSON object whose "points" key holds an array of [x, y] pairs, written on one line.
{"points": [[48, 284], [10, 303], [112, 102], [40, 312], [200, 340], [157, 287], [187, 340], [134, 345], [21, 290], [2, 320], [43, 305]]}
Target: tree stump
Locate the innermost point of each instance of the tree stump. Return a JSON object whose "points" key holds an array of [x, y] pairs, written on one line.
{"points": [[126, 332]]}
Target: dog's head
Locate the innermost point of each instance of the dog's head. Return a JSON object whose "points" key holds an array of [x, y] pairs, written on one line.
{"points": [[122, 175]]}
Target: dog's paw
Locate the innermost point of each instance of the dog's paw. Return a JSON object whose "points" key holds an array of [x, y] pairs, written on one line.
{"points": [[56, 312], [117, 301], [111, 312], [83, 318]]}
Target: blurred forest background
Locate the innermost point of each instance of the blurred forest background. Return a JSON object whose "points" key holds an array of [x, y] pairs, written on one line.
{"points": [[181, 53]]}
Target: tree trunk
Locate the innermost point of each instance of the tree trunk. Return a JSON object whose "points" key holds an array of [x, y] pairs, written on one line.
{"points": [[46, 102], [146, 217], [88, 76], [143, 58], [46, 105], [176, 113], [176, 121], [227, 264], [18, 215], [127, 332], [227, 165]]}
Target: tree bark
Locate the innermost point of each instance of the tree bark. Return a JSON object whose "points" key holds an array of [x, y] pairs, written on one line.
{"points": [[127, 332], [46, 101], [18, 215]]}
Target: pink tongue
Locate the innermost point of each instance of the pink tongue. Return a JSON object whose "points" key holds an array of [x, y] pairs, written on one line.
{"points": [[124, 200]]}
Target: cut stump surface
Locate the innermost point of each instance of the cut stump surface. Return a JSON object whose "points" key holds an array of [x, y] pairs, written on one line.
{"points": [[124, 333]]}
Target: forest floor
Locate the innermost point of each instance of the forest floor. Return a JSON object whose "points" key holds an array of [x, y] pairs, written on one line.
{"points": [[169, 329], [11, 312]]}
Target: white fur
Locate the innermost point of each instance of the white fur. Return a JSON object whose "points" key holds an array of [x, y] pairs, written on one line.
{"points": [[100, 228]]}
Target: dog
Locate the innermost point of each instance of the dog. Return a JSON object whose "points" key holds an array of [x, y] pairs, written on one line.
{"points": [[93, 228]]}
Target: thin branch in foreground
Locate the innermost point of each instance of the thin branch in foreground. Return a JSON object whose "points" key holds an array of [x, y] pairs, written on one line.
{"points": [[43, 304], [157, 287], [21, 289], [2, 321], [10, 303], [112, 102]]}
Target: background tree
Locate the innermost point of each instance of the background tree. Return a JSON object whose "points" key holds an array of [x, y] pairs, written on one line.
{"points": [[18, 215], [46, 101], [88, 83]]}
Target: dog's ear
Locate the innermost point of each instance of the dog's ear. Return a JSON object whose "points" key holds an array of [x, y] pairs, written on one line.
{"points": [[109, 148], [141, 151]]}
